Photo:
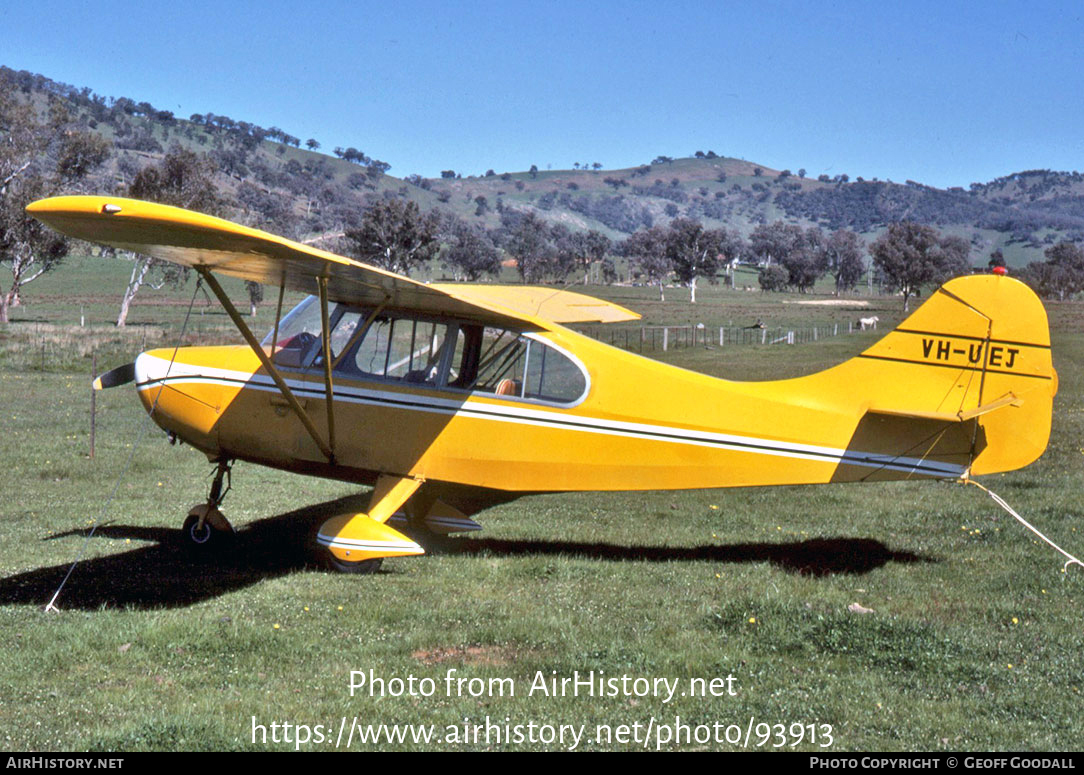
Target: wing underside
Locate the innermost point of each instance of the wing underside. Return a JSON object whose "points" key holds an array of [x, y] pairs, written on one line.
{"points": [[204, 242]]}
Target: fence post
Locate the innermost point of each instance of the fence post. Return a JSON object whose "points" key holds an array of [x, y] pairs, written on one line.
{"points": [[763, 335], [665, 336], [790, 337], [835, 330], [814, 333], [93, 400]]}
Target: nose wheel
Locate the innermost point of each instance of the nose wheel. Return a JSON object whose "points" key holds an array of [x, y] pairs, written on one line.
{"points": [[205, 527]]}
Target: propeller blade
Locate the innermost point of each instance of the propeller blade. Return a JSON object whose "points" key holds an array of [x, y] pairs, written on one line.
{"points": [[121, 375]]}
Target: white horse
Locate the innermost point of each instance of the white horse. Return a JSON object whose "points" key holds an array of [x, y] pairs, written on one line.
{"points": [[864, 323]]}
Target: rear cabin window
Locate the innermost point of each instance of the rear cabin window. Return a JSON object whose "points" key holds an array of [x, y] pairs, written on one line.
{"points": [[514, 365], [442, 354]]}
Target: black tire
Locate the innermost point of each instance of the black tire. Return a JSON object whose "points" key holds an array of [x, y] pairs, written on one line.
{"points": [[360, 567], [206, 540]]}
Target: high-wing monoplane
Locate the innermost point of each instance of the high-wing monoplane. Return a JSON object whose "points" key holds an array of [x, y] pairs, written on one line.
{"points": [[447, 397]]}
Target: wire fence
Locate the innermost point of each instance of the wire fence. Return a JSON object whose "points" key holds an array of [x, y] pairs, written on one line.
{"points": [[648, 338]]}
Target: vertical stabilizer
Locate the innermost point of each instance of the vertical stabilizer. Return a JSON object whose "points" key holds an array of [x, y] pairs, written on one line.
{"points": [[977, 352]]}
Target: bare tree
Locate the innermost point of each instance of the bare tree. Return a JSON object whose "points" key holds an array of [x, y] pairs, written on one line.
{"points": [[182, 179], [27, 247], [27, 147]]}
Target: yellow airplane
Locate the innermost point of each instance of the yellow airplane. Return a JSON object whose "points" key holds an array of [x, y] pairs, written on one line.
{"points": [[450, 397]]}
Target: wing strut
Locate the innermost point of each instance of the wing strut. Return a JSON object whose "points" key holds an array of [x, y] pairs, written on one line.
{"points": [[235, 316], [328, 387], [278, 316]]}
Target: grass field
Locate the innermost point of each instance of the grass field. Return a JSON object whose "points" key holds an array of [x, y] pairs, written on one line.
{"points": [[972, 639]]}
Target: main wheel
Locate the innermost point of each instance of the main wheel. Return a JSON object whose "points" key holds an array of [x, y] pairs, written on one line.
{"points": [[360, 567]]}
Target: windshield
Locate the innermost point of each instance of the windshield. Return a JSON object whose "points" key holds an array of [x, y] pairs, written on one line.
{"points": [[298, 335]]}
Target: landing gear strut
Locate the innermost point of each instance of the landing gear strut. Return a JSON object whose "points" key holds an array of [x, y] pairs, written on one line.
{"points": [[205, 526]]}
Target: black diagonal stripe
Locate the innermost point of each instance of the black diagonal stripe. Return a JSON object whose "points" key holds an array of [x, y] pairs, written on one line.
{"points": [[947, 335], [954, 366]]}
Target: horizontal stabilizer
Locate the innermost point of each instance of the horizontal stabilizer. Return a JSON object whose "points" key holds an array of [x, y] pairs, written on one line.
{"points": [[961, 416]]}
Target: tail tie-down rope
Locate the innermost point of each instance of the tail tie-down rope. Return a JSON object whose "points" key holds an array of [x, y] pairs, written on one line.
{"points": [[1071, 560], [51, 606]]}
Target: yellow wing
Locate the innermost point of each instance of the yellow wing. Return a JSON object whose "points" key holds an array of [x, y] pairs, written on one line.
{"points": [[203, 241], [546, 303]]}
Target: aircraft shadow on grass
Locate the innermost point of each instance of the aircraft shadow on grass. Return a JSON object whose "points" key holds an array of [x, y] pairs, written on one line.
{"points": [[167, 574]]}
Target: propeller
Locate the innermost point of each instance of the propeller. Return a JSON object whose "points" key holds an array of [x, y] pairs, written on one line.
{"points": [[121, 375]]}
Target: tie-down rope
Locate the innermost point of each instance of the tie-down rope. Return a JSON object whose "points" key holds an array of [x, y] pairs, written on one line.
{"points": [[51, 606], [1001, 502]]}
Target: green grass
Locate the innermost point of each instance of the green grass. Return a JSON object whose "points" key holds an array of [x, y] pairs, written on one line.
{"points": [[155, 650]]}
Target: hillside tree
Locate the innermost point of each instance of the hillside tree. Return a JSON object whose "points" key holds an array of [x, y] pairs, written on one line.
{"points": [[646, 252], [910, 255], [469, 252], [693, 251], [395, 235], [527, 240], [844, 250], [1061, 275]]}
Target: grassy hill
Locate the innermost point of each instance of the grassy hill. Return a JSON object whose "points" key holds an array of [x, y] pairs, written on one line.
{"points": [[276, 181]]}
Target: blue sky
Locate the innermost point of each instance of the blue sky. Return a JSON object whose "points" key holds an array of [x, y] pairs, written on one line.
{"points": [[940, 92]]}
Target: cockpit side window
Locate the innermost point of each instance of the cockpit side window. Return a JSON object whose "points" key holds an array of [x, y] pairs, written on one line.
{"points": [[453, 355], [510, 364], [400, 349]]}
